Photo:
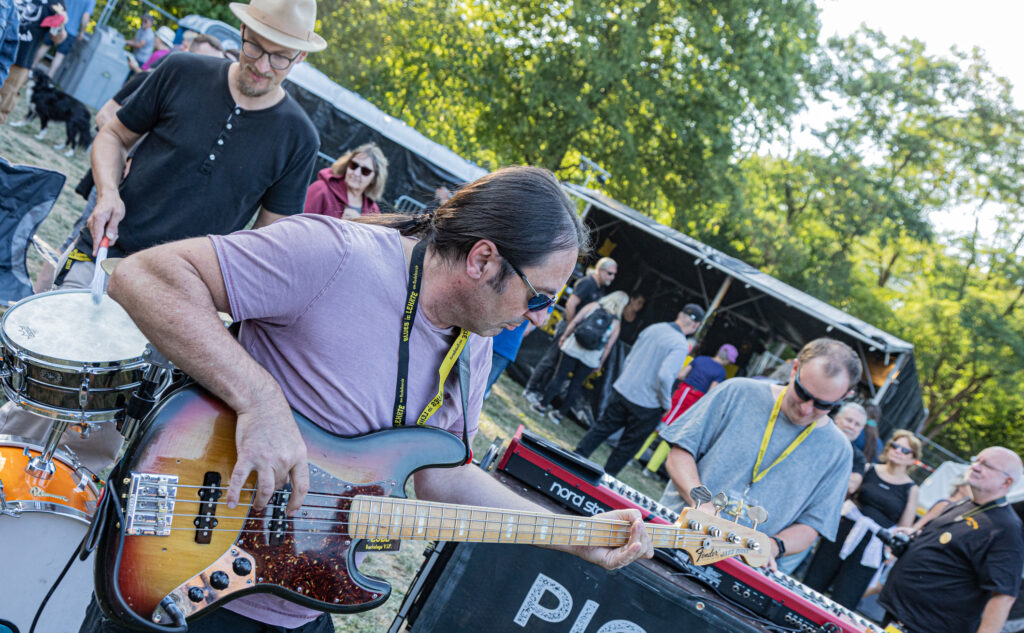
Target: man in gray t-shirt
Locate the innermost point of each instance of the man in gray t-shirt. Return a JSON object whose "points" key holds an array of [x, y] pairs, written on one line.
{"points": [[800, 478], [643, 390]]}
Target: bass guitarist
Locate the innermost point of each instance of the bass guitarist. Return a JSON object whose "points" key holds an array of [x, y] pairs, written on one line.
{"points": [[324, 305]]}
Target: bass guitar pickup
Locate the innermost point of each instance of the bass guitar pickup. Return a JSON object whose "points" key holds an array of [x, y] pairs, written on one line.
{"points": [[150, 505]]}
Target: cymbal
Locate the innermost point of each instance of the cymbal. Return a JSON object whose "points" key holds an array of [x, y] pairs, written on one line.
{"points": [[109, 264]]}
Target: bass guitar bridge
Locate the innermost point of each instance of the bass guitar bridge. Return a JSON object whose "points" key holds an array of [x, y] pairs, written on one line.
{"points": [[150, 507]]}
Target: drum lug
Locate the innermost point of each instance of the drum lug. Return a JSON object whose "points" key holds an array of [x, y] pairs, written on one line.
{"points": [[18, 376], [83, 393], [4, 509]]}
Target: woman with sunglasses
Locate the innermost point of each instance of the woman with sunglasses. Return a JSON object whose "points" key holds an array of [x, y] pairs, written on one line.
{"points": [[349, 188], [579, 359], [887, 497]]}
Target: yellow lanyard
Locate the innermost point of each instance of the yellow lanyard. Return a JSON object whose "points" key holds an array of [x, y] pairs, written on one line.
{"points": [[449, 361], [766, 438], [408, 318]]}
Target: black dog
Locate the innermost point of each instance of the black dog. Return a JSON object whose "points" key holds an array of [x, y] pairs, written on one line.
{"points": [[50, 104]]}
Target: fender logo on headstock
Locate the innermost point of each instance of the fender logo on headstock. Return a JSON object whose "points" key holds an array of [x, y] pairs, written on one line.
{"points": [[707, 555]]}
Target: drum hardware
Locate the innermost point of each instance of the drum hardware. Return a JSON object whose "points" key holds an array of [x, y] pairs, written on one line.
{"points": [[4, 510], [141, 402]]}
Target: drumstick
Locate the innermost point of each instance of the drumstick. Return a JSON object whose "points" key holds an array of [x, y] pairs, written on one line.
{"points": [[97, 274]]}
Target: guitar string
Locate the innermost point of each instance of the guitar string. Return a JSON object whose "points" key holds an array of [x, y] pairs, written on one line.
{"points": [[362, 520], [688, 540], [430, 515]]}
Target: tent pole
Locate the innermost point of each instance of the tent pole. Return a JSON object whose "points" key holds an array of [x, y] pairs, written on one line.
{"points": [[717, 301]]}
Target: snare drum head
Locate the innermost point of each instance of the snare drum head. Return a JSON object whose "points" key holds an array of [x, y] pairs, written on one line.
{"points": [[66, 325]]}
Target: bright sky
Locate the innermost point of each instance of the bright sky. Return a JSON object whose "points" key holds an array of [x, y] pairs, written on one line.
{"points": [[994, 26]]}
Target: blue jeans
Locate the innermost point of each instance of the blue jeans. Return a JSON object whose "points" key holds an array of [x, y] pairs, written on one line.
{"points": [[498, 366]]}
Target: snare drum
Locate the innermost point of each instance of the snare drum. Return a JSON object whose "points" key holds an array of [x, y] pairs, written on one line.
{"points": [[42, 523], [66, 358]]}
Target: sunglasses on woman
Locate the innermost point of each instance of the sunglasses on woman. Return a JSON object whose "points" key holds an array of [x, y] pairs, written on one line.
{"points": [[804, 395], [902, 449], [353, 166], [539, 300]]}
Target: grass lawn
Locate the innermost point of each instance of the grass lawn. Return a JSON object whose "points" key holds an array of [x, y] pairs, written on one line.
{"points": [[502, 414]]}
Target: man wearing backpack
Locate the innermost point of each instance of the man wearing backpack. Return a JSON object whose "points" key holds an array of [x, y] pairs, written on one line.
{"points": [[586, 291], [643, 390], [585, 345]]}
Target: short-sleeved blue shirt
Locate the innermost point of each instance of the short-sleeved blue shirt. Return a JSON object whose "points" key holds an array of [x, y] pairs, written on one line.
{"points": [[704, 371]]}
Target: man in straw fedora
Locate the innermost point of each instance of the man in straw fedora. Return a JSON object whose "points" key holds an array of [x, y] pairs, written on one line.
{"points": [[223, 142]]}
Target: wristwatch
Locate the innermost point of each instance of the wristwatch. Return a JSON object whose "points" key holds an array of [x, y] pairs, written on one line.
{"points": [[781, 545]]}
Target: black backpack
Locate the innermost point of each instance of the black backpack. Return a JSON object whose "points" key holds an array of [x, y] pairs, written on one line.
{"points": [[593, 331]]}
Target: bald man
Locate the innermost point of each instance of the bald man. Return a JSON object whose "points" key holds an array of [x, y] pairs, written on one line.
{"points": [[961, 572]]}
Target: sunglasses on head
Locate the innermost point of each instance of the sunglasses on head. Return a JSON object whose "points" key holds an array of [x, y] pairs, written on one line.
{"points": [[804, 395], [353, 165], [539, 300], [902, 449]]}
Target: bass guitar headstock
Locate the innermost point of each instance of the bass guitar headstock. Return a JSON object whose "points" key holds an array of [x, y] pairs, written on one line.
{"points": [[711, 538]]}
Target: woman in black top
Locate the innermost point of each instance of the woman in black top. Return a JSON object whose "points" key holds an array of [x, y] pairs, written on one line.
{"points": [[887, 497]]}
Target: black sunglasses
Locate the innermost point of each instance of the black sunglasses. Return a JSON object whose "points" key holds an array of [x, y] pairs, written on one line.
{"points": [[539, 300], [804, 395], [902, 449], [352, 165]]}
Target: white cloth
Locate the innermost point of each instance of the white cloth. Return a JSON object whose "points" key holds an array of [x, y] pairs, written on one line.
{"points": [[872, 556]]}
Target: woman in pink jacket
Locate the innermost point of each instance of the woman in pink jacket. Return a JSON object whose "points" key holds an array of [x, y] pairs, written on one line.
{"points": [[348, 188]]}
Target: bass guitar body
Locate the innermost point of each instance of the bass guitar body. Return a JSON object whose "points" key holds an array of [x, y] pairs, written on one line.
{"points": [[174, 549]]}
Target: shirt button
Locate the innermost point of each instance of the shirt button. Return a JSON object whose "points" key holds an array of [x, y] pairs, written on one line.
{"points": [[212, 157], [229, 126], [220, 141], [238, 110]]}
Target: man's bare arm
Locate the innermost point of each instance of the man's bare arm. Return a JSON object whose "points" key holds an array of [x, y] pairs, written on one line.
{"points": [[109, 152], [470, 485], [997, 609], [266, 218], [173, 293], [682, 469]]}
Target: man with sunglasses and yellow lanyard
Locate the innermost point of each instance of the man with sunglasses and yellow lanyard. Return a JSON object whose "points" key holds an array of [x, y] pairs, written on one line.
{"points": [[417, 298], [961, 572], [771, 445]]}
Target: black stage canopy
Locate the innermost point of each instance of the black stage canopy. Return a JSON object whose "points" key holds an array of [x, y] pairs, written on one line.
{"points": [[417, 165]]}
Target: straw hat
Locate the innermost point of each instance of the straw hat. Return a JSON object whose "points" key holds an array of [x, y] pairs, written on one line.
{"points": [[166, 35], [288, 23]]}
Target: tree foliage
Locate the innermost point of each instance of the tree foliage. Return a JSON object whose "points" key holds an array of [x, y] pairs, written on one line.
{"points": [[678, 99]]}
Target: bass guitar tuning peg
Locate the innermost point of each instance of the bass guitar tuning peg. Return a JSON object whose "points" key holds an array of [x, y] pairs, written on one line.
{"points": [[720, 501], [757, 515], [700, 495]]}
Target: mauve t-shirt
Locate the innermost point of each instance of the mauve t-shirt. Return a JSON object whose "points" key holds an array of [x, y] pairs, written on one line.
{"points": [[320, 301]]}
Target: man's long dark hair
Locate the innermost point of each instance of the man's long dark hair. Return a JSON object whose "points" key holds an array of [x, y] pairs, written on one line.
{"points": [[523, 210]]}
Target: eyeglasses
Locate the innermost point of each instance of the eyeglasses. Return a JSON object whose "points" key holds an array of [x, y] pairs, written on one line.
{"points": [[539, 300], [901, 448], [278, 61], [804, 395], [353, 166], [982, 462]]}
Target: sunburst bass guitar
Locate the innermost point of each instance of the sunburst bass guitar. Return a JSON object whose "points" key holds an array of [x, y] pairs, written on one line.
{"points": [[172, 549]]}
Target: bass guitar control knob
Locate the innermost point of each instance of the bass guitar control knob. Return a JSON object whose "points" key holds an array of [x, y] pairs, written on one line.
{"points": [[219, 580], [241, 566]]}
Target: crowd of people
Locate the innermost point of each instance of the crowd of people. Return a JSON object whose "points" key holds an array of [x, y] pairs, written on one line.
{"points": [[165, 193]]}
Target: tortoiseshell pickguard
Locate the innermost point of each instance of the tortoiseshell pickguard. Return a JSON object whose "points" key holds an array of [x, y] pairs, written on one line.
{"points": [[312, 558]]}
